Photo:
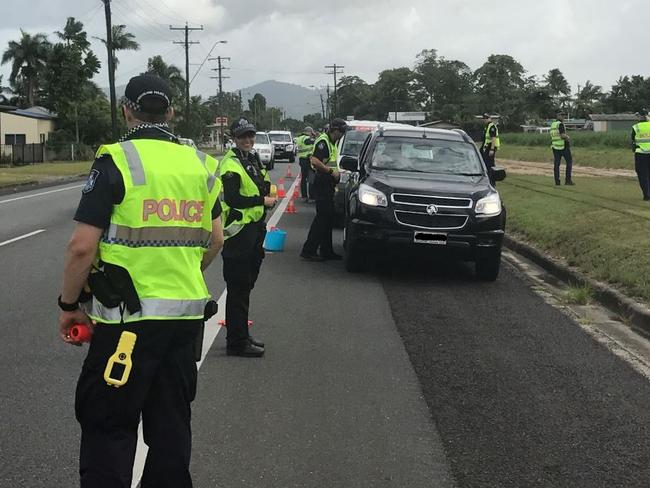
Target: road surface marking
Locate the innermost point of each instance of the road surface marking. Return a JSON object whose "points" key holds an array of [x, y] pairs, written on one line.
{"points": [[24, 236], [212, 329], [42, 193]]}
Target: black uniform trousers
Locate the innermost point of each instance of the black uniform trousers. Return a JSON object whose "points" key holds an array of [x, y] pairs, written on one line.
{"points": [[305, 185], [642, 167], [320, 232], [242, 259], [557, 159], [161, 386], [489, 161]]}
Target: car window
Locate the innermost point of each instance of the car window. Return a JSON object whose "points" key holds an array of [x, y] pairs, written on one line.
{"points": [[261, 139], [280, 137], [426, 156], [353, 141]]}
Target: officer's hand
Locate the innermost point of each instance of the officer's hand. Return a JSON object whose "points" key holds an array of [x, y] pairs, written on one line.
{"points": [[269, 202], [67, 320], [336, 175]]}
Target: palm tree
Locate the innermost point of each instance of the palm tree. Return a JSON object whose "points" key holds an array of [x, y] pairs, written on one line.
{"points": [[73, 33], [28, 57], [168, 72], [122, 41]]}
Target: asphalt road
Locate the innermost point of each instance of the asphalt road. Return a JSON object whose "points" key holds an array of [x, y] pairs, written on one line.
{"points": [[413, 374]]}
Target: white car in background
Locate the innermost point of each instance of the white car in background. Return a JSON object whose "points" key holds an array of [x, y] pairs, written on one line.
{"points": [[283, 143], [265, 149]]}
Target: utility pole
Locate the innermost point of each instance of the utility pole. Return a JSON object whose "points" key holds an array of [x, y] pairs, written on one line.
{"points": [[111, 68], [219, 69], [336, 69], [329, 104], [187, 43]]}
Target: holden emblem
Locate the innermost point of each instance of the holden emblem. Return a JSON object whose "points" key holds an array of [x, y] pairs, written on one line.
{"points": [[432, 209]]}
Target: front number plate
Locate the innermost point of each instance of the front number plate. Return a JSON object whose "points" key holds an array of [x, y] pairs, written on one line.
{"points": [[435, 238]]}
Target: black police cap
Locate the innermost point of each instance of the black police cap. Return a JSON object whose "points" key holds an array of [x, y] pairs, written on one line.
{"points": [[147, 93], [643, 112], [242, 126]]}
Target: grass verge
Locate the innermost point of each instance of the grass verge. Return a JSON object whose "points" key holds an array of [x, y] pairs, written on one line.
{"points": [[578, 295], [600, 226], [41, 172], [596, 157]]}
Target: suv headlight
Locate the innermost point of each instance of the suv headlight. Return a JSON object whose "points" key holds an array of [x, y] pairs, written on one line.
{"points": [[370, 196], [488, 206], [289, 147]]}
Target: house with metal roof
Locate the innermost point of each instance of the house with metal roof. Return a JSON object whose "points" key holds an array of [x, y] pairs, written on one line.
{"points": [[614, 122], [25, 126]]}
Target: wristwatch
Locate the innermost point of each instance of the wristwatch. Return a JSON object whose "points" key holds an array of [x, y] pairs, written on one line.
{"points": [[331, 171], [67, 307]]}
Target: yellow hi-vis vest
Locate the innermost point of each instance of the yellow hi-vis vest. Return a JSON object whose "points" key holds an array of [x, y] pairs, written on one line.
{"points": [[333, 155], [304, 149], [488, 140], [231, 164], [642, 137], [161, 228], [556, 138]]}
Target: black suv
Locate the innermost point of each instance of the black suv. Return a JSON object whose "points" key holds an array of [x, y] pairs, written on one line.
{"points": [[423, 188]]}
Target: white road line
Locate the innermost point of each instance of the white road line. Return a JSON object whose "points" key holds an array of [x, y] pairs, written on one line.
{"points": [[24, 236], [212, 329], [41, 193]]}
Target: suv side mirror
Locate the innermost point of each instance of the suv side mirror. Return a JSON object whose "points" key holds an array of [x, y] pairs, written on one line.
{"points": [[349, 163], [498, 173]]}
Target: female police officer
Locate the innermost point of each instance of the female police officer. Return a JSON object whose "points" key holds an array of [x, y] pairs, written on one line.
{"points": [[246, 187]]}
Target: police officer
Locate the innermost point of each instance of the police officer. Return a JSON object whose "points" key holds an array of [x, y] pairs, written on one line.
{"points": [[246, 186], [560, 142], [641, 146], [323, 161], [491, 143], [148, 223], [305, 148]]}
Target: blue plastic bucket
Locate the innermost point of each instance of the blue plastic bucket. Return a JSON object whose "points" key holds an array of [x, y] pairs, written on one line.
{"points": [[274, 240]]}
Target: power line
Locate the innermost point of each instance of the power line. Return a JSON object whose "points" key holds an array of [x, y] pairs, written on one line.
{"points": [[219, 69], [187, 43], [335, 70], [206, 58]]}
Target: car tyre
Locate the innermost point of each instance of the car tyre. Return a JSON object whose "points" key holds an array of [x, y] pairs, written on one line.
{"points": [[487, 269]]}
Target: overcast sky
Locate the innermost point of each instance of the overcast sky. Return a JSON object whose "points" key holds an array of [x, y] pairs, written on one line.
{"points": [[292, 40]]}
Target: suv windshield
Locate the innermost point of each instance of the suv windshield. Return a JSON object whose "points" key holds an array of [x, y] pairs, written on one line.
{"points": [[280, 137], [261, 139], [426, 156], [353, 141]]}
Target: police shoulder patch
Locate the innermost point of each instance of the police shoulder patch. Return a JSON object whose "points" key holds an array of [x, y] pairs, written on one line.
{"points": [[90, 182]]}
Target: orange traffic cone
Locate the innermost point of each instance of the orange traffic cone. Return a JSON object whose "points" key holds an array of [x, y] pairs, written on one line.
{"points": [[291, 208], [281, 191], [281, 181], [296, 193], [288, 175]]}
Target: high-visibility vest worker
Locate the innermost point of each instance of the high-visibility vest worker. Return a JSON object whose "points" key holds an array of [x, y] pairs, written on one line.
{"points": [[488, 140], [557, 142], [333, 154], [304, 150], [235, 219], [642, 137], [161, 229]]}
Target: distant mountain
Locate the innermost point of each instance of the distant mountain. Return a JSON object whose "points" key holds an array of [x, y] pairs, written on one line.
{"points": [[297, 101]]}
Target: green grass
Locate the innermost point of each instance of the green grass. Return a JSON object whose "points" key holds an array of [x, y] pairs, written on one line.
{"points": [[600, 226], [42, 172], [578, 295], [618, 139], [596, 157]]}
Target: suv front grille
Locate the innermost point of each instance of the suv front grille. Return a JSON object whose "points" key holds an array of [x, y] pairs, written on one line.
{"points": [[424, 200], [426, 221]]}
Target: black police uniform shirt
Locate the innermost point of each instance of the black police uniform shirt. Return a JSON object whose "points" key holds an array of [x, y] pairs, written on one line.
{"points": [[562, 130], [105, 186]]}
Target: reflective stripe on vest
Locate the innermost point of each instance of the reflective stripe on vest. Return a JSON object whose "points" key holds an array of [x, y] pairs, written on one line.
{"points": [[304, 150], [556, 138], [231, 164], [642, 137], [331, 159], [160, 230], [153, 309], [488, 139]]}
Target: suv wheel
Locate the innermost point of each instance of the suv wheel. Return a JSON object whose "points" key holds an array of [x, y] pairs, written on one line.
{"points": [[487, 269]]}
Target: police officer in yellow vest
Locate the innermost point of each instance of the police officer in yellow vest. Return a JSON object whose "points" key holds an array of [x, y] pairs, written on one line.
{"points": [[491, 143], [561, 144], [246, 186], [148, 224], [641, 146], [305, 144], [323, 161]]}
